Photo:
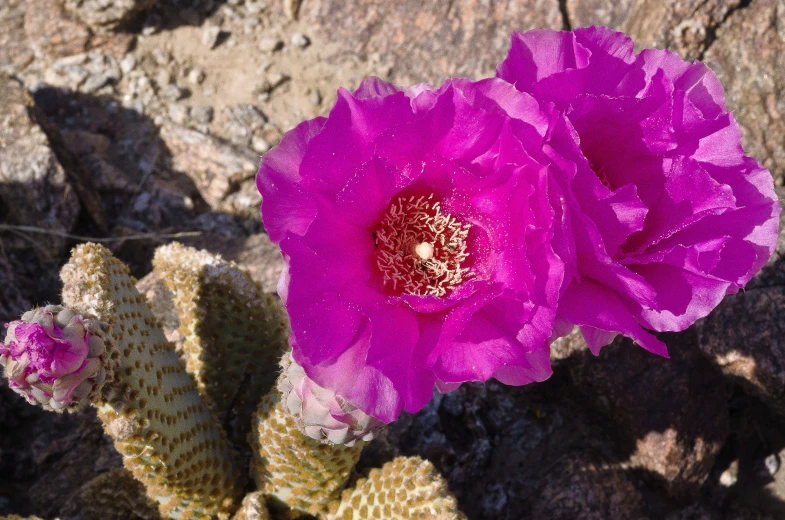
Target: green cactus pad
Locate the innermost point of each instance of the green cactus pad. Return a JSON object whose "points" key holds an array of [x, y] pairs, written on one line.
{"points": [[406, 487], [233, 333], [168, 437], [302, 473]]}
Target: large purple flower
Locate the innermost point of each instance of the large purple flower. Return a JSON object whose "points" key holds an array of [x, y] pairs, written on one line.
{"points": [[416, 229], [667, 213]]}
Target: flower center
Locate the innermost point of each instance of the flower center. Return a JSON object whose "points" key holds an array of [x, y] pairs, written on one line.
{"points": [[419, 250]]}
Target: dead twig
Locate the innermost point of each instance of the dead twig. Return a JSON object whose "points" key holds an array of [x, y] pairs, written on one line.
{"points": [[141, 236]]}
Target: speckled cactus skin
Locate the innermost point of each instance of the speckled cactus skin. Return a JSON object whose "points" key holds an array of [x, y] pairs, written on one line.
{"points": [[233, 332], [168, 437], [254, 507], [404, 488], [300, 472]]}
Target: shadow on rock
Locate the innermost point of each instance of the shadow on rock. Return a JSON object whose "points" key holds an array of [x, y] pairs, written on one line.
{"points": [[75, 165], [745, 335], [515, 453], [675, 410], [170, 14], [129, 179]]}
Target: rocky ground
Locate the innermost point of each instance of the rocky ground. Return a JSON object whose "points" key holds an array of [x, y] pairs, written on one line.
{"points": [[137, 121]]}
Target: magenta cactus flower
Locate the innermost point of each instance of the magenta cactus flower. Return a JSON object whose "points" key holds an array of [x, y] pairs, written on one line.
{"points": [[667, 213], [417, 228], [51, 358]]}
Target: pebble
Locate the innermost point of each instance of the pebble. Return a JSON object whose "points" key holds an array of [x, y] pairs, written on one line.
{"points": [[151, 24], [96, 81], [260, 144], [300, 40], [772, 464], [270, 44], [210, 35], [173, 93], [202, 114], [196, 76], [128, 63], [141, 202], [277, 79], [255, 7], [316, 97], [178, 113], [161, 57], [163, 78]]}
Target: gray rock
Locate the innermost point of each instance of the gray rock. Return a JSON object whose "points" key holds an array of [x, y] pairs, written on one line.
{"points": [[749, 58], [518, 453], [15, 49], [173, 93], [13, 298], [675, 435], [178, 113], [259, 144], [270, 44], [300, 40], [262, 259], [107, 14], [196, 76], [212, 163], [685, 26], [128, 63], [202, 114], [35, 187], [162, 57], [745, 335], [210, 35], [582, 484], [430, 41], [54, 31], [242, 121]]}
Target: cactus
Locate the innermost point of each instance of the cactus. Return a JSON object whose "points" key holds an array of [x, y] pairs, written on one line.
{"points": [[163, 425], [406, 487], [297, 471], [168, 437], [233, 333]]}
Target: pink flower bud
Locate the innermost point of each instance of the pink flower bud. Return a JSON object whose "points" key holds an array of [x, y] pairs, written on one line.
{"points": [[321, 413], [53, 357]]}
